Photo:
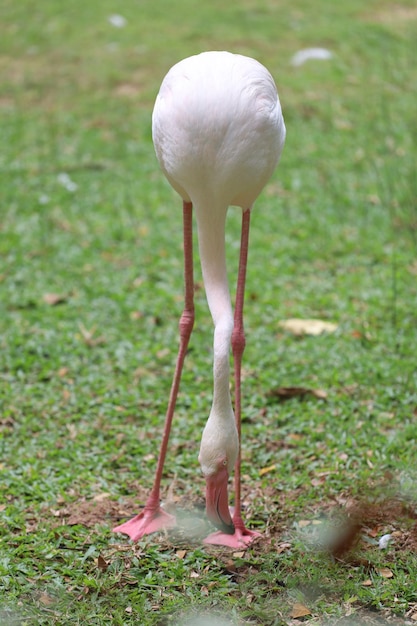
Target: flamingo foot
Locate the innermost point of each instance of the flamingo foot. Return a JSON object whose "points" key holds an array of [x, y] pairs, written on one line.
{"points": [[151, 520], [241, 538]]}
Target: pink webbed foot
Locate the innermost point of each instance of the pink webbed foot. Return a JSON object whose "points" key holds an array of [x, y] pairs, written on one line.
{"points": [[151, 520], [241, 538]]}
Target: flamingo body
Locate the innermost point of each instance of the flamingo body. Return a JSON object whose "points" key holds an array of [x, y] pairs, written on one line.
{"points": [[218, 133], [218, 129]]}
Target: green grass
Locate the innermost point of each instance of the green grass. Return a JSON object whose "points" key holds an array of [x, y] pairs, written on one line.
{"points": [[85, 373]]}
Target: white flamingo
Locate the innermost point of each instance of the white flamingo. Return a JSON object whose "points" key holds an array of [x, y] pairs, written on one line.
{"points": [[218, 133]]}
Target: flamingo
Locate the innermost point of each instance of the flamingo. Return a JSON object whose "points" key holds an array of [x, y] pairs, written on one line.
{"points": [[218, 133]]}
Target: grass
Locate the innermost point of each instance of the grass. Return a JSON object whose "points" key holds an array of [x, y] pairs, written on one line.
{"points": [[91, 292]]}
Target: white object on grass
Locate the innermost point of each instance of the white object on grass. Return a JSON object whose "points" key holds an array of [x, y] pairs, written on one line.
{"points": [[384, 541], [309, 54], [118, 21], [66, 182]]}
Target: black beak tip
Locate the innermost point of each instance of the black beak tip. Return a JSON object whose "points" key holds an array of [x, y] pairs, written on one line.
{"points": [[228, 529]]}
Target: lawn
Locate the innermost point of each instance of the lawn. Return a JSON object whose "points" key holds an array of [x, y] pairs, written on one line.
{"points": [[91, 292]]}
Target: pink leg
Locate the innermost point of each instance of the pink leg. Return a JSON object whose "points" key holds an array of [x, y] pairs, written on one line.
{"points": [[242, 536], [153, 517]]}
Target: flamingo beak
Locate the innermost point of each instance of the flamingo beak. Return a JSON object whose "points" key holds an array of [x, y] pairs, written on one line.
{"points": [[217, 503]]}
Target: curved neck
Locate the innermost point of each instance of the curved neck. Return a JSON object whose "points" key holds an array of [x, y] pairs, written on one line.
{"points": [[211, 240]]}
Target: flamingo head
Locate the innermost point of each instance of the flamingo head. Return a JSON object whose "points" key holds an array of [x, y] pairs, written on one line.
{"points": [[217, 457], [217, 499]]}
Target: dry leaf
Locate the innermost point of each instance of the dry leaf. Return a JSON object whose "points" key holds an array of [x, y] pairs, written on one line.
{"points": [[45, 599], [230, 566], [239, 555], [88, 336], [287, 393], [319, 393], [54, 298], [295, 436], [266, 470], [367, 583], [299, 610], [303, 523], [101, 563], [385, 572], [181, 553], [317, 482], [72, 431], [307, 327], [101, 496], [126, 90], [123, 513], [414, 617], [283, 547]]}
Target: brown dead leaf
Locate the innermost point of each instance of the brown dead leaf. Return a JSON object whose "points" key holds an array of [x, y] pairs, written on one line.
{"points": [[303, 523], [55, 298], [414, 617], [295, 436], [45, 599], [230, 567], [282, 547], [101, 563], [319, 393], [301, 327], [127, 90], [181, 553], [101, 496], [299, 610], [88, 336], [239, 555], [367, 583], [72, 430], [287, 393], [385, 572]]}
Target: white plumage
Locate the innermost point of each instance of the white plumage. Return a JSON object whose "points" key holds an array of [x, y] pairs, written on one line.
{"points": [[218, 129]]}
